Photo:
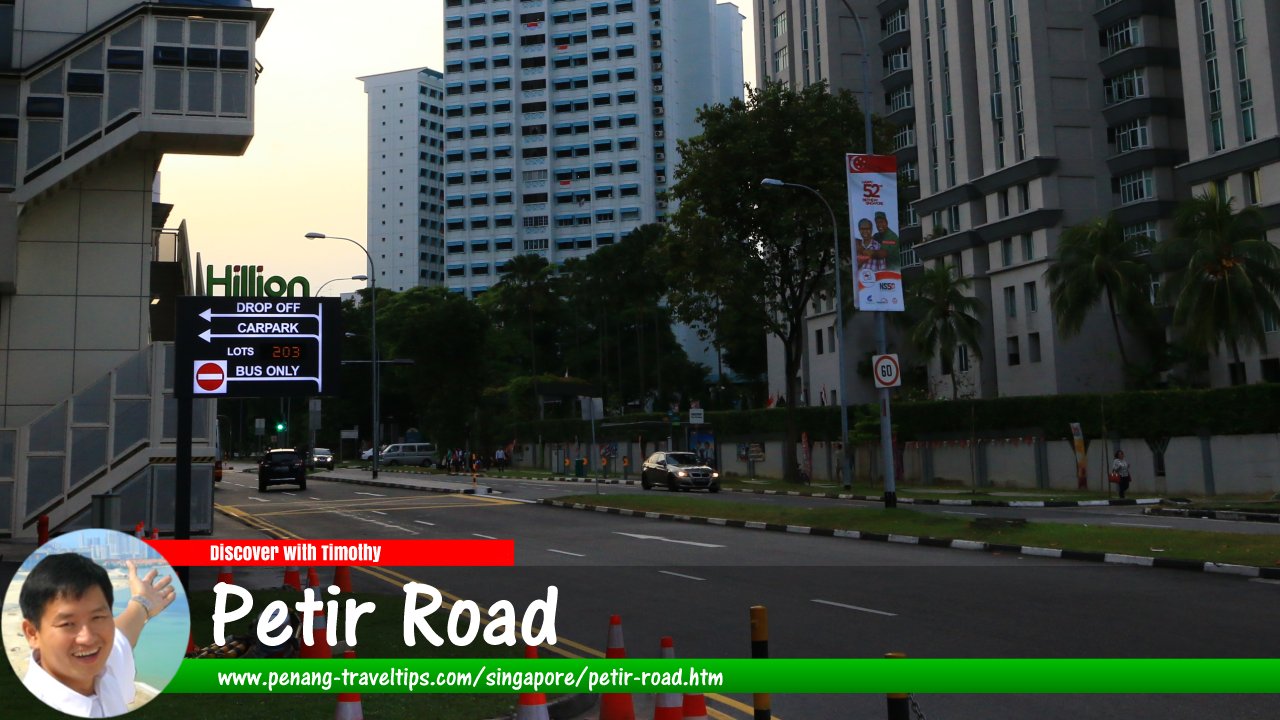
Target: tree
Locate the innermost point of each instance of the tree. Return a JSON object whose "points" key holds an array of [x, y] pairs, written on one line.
{"points": [[1097, 260], [525, 308], [1224, 275], [756, 254], [944, 318]]}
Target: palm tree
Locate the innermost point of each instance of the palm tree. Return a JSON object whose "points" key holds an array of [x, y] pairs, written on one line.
{"points": [[947, 317], [525, 289], [1094, 260], [1224, 275]]}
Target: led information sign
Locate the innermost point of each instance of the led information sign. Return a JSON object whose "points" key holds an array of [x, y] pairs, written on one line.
{"points": [[257, 347]]}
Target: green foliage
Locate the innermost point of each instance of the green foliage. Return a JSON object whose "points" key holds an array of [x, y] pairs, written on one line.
{"points": [[1224, 276], [944, 316], [1096, 261], [1241, 410]]}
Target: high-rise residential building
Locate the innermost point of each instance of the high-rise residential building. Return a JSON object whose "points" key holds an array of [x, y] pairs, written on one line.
{"points": [[93, 93], [406, 177], [561, 121], [1229, 51], [1027, 117]]}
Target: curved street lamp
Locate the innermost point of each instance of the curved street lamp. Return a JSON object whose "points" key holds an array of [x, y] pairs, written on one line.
{"points": [[326, 282], [373, 335], [844, 398]]}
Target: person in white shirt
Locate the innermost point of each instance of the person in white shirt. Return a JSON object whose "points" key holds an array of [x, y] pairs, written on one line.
{"points": [[81, 657]]}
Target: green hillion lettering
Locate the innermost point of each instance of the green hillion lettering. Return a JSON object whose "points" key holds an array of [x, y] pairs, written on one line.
{"points": [[248, 281]]}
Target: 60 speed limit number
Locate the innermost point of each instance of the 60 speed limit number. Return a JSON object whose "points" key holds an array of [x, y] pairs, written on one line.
{"points": [[884, 368]]}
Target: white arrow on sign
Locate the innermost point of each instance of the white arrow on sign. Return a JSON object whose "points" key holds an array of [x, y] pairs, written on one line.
{"points": [[208, 335], [208, 314], [670, 540]]}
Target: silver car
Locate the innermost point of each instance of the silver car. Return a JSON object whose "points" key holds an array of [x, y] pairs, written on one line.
{"points": [[678, 471]]}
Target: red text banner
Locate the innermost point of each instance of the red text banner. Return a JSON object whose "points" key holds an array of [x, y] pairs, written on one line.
{"points": [[279, 553]]}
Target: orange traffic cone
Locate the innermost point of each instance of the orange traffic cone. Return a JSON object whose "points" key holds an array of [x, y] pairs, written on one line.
{"points": [[191, 644], [695, 707], [292, 579], [342, 578], [319, 647], [616, 706], [533, 705], [313, 578], [670, 705], [225, 575], [348, 703]]}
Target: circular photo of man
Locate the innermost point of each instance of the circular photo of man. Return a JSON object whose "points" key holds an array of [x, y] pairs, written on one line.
{"points": [[95, 623]]}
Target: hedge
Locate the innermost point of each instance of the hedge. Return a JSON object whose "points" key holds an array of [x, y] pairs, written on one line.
{"points": [[1250, 409]]}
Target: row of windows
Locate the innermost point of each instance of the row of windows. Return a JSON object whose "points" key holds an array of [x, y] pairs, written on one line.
{"points": [[601, 54], [603, 217], [579, 197], [597, 77], [603, 145], [597, 9], [475, 42]]}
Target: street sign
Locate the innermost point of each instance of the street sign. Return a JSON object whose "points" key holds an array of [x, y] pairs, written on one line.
{"points": [[259, 426], [755, 452], [352, 434], [697, 416], [257, 347], [886, 371]]}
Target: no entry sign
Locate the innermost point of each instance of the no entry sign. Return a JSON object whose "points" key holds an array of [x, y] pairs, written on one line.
{"points": [[211, 377]]}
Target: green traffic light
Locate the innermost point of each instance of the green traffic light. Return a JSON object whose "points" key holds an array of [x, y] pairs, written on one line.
{"points": [[279, 427]]}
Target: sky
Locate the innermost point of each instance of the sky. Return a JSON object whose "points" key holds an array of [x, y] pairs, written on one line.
{"points": [[306, 167]]}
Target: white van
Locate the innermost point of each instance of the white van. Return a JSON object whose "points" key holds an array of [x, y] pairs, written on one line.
{"points": [[409, 454]]}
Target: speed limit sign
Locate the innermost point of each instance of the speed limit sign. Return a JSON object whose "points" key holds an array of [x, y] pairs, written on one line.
{"points": [[886, 372]]}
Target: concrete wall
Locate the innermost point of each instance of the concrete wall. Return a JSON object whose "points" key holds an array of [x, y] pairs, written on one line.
{"points": [[1242, 464]]}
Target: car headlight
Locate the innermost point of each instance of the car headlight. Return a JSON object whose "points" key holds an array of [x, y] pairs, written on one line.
{"points": [[715, 474], [681, 473]]}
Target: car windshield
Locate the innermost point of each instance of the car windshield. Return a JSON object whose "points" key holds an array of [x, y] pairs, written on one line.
{"points": [[323, 451], [682, 458], [282, 456]]}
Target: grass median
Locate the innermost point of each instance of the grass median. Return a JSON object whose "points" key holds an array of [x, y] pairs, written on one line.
{"points": [[1236, 548], [380, 635]]}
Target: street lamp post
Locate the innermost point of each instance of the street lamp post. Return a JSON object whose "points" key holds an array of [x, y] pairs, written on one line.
{"points": [[882, 344], [844, 398], [373, 337], [326, 282]]}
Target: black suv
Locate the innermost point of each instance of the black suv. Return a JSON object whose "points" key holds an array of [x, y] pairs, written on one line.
{"points": [[678, 471], [282, 467]]}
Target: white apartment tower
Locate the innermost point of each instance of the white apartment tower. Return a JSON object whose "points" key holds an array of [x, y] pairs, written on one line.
{"points": [[406, 178], [561, 121]]}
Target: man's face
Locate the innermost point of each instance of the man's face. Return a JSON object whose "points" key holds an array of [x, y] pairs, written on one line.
{"points": [[865, 230], [74, 638], [882, 224]]}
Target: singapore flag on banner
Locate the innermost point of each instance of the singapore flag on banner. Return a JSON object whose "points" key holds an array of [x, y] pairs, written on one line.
{"points": [[873, 227]]}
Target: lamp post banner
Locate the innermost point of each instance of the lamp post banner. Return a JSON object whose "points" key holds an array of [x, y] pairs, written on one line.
{"points": [[873, 229]]}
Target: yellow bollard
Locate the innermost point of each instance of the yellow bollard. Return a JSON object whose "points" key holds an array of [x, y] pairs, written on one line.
{"points": [[899, 704], [762, 703]]}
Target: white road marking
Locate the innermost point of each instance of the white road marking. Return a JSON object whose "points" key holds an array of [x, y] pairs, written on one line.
{"points": [[855, 607], [1268, 581], [486, 537], [315, 498], [959, 512], [288, 493], [670, 540], [370, 494], [680, 575], [564, 552], [424, 522], [377, 512], [1142, 525], [253, 497]]}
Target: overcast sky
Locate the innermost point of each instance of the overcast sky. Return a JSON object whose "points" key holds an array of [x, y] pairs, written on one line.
{"points": [[306, 167]]}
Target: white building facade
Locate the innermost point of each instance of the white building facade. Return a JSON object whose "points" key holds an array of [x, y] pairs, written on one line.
{"points": [[406, 179], [561, 121]]}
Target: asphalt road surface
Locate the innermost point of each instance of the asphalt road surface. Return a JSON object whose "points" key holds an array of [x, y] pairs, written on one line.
{"points": [[826, 597]]}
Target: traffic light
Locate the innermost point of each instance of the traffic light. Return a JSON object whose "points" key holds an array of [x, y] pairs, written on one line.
{"points": [[280, 426]]}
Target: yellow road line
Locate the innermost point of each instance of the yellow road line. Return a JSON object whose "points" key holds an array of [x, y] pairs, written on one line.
{"points": [[390, 576]]}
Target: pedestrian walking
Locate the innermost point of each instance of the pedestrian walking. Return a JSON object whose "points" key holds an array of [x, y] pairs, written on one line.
{"points": [[1120, 473]]}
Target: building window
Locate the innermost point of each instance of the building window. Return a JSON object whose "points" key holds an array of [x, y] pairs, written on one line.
{"points": [[1006, 252], [817, 340], [1032, 298], [1014, 356], [1253, 187], [1270, 370], [1123, 36], [1028, 247], [1024, 197], [1237, 373], [1010, 302], [780, 25], [1125, 86], [1131, 135], [962, 360], [1136, 187], [1033, 347], [1146, 230]]}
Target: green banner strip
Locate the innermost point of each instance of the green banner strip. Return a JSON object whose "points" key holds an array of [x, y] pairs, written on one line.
{"points": [[466, 675]]}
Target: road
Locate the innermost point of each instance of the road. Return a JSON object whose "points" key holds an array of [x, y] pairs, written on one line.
{"points": [[826, 597]]}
